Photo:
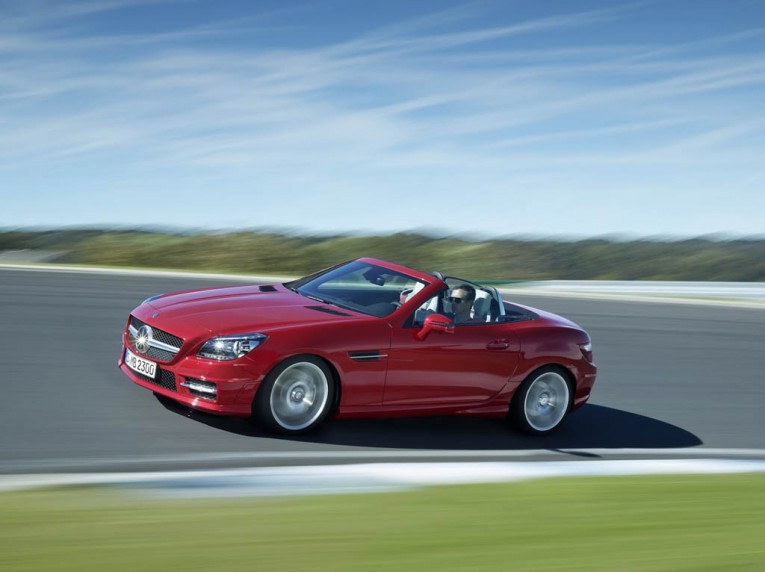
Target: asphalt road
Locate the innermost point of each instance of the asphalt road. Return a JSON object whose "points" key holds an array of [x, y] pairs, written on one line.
{"points": [[684, 380]]}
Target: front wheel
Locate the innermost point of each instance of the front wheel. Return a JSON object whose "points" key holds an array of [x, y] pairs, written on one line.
{"points": [[542, 402], [296, 395]]}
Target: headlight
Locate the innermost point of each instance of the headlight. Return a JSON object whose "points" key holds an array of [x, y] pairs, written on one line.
{"points": [[227, 348]]}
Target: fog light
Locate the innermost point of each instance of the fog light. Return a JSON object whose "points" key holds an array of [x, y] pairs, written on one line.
{"points": [[199, 388]]}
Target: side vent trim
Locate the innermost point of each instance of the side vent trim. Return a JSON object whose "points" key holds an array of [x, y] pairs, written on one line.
{"points": [[366, 355], [328, 310]]}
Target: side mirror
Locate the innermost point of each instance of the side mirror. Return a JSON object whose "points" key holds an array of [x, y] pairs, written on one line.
{"points": [[435, 323]]}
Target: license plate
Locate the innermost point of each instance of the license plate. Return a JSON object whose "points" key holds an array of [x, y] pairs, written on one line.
{"points": [[140, 365]]}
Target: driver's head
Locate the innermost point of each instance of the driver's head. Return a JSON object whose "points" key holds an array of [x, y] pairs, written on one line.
{"points": [[462, 300]]}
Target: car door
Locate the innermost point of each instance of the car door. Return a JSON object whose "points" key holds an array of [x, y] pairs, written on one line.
{"points": [[470, 365]]}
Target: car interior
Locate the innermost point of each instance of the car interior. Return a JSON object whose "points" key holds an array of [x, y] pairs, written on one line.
{"points": [[487, 306], [380, 292]]}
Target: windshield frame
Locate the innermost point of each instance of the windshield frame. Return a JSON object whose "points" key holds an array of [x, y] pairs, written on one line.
{"points": [[309, 286]]}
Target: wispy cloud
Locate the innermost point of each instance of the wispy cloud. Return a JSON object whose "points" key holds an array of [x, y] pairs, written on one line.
{"points": [[37, 14], [431, 92]]}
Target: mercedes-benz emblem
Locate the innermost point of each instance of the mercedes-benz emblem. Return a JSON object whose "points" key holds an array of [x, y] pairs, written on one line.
{"points": [[142, 338]]}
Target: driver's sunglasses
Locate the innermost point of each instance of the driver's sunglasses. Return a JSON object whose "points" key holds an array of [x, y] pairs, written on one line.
{"points": [[457, 300]]}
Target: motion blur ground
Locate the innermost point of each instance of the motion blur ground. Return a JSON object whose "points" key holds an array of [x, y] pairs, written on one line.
{"points": [[684, 522], [664, 389], [673, 376]]}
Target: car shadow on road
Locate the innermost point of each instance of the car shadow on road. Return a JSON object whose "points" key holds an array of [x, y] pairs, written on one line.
{"points": [[592, 427]]}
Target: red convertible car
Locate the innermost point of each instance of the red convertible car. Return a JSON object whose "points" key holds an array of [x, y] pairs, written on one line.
{"points": [[365, 338]]}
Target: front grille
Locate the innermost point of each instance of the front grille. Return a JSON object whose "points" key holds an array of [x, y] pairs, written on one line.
{"points": [[161, 355], [164, 378], [159, 335]]}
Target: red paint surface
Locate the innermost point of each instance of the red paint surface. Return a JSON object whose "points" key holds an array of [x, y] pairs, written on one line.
{"points": [[474, 370]]}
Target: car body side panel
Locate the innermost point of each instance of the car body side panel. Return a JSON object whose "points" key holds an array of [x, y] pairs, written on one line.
{"points": [[358, 351], [448, 368], [553, 341]]}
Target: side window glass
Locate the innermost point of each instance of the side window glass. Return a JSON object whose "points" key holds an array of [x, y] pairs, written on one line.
{"points": [[433, 305]]}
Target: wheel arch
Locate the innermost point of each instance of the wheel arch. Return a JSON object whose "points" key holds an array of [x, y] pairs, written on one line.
{"points": [[336, 379], [330, 365]]}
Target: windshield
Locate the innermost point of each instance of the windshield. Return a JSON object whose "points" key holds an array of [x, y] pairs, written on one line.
{"points": [[359, 286]]}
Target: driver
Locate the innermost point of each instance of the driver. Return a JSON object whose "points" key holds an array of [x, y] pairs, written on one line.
{"points": [[462, 299]]}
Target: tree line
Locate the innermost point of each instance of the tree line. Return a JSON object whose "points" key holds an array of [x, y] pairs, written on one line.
{"points": [[502, 259]]}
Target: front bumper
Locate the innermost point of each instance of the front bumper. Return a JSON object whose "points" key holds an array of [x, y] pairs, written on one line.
{"points": [[236, 383], [586, 372]]}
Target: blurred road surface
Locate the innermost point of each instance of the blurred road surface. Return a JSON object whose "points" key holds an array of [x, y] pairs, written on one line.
{"points": [[683, 379]]}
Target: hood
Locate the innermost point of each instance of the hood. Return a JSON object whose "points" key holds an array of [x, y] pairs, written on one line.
{"points": [[238, 309]]}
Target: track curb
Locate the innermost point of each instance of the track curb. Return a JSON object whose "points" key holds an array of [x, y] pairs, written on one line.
{"points": [[368, 477]]}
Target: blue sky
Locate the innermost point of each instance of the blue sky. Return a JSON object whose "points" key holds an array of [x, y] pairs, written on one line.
{"points": [[559, 118]]}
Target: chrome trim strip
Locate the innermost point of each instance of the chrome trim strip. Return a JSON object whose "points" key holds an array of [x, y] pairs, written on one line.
{"points": [[208, 393], [366, 356], [201, 388], [166, 347]]}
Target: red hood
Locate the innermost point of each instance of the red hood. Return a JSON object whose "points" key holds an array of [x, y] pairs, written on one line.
{"points": [[237, 309]]}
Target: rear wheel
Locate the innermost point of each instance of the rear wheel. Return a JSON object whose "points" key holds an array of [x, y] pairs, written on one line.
{"points": [[542, 402], [296, 395]]}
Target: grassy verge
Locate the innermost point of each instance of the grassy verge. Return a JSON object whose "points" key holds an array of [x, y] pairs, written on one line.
{"points": [[624, 523]]}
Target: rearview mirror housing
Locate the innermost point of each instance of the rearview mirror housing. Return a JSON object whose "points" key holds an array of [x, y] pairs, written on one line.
{"points": [[435, 323]]}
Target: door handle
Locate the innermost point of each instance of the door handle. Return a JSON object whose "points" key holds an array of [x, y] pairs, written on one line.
{"points": [[498, 345]]}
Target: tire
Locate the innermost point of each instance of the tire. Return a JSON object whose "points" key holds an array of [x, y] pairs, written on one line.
{"points": [[542, 401], [296, 395]]}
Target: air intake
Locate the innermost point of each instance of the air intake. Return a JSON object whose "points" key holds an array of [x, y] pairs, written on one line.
{"points": [[267, 288]]}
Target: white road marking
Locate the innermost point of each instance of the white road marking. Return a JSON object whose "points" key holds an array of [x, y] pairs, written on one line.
{"points": [[369, 477], [508, 293], [368, 456], [142, 272]]}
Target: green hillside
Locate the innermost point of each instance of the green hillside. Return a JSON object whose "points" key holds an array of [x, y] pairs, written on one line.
{"points": [[497, 259]]}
